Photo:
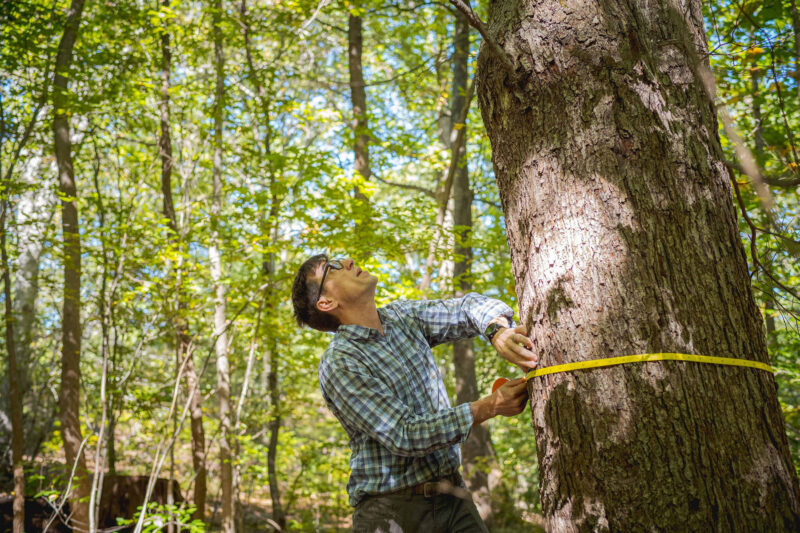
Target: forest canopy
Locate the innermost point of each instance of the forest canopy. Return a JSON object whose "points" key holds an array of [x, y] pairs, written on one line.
{"points": [[166, 172]]}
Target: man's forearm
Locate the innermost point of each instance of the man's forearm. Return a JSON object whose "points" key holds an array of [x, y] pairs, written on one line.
{"points": [[508, 400], [482, 410]]}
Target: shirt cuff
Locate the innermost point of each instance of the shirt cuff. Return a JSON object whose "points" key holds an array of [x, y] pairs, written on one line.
{"points": [[496, 309], [509, 319], [464, 419]]}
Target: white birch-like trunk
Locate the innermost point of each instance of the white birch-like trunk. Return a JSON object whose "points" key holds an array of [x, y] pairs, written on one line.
{"points": [[220, 307]]}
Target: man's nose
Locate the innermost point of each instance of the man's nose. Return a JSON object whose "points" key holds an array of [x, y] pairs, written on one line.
{"points": [[352, 263]]}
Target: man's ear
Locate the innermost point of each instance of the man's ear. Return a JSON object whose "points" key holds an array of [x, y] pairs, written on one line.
{"points": [[326, 305]]}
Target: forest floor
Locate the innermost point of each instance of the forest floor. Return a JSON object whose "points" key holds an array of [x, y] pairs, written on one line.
{"points": [[313, 515]]}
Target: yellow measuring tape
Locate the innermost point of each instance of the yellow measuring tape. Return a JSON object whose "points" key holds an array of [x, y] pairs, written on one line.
{"points": [[611, 361]]}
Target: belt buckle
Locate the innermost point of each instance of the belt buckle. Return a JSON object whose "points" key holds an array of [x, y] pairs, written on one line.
{"points": [[427, 489]]}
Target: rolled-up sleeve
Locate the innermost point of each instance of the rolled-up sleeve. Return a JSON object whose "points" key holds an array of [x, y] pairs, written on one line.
{"points": [[360, 399], [456, 318]]}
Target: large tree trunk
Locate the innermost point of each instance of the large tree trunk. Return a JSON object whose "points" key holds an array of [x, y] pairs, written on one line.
{"points": [[69, 394], [221, 344], [624, 240], [477, 453]]}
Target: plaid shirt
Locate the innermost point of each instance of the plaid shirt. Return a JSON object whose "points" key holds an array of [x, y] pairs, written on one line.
{"points": [[388, 395]]}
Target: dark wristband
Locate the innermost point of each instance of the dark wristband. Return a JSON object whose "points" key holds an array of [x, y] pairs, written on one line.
{"points": [[492, 330]]}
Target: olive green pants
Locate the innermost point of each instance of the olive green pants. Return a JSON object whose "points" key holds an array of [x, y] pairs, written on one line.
{"points": [[415, 513]]}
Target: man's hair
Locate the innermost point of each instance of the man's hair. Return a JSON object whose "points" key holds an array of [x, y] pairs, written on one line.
{"points": [[304, 294]]}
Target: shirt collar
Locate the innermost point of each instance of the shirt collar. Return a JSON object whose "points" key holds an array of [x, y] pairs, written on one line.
{"points": [[356, 332]]}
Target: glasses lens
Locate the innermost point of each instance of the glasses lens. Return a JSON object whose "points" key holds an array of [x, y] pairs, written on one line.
{"points": [[336, 264]]}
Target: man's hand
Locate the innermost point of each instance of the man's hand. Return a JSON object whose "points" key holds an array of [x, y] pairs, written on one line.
{"points": [[508, 400], [514, 346]]}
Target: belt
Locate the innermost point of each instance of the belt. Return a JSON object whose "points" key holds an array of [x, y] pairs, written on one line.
{"points": [[444, 485]]}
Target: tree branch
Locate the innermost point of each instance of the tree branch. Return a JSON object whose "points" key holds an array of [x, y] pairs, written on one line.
{"points": [[479, 25], [443, 195], [753, 250], [408, 186], [784, 179]]}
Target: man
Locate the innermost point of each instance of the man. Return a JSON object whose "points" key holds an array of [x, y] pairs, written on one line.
{"points": [[379, 378]]}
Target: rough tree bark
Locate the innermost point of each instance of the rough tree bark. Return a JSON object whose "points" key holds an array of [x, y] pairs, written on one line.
{"points": [[477, 453], [220, 308], [624, 240], [69, 394]]}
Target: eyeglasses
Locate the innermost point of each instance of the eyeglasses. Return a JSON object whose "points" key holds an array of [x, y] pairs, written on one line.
{"points": [[336, 264]]}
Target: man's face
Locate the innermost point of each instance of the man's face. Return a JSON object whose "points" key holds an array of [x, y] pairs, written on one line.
{"points": [[347, 286]]}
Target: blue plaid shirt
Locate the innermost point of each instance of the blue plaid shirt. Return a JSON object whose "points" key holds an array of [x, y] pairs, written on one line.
{"points": [[388, 395]]}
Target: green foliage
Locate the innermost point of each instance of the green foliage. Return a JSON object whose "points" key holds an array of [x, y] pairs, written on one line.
{"points": [[288, 193], [754, 59], [158, 516]]}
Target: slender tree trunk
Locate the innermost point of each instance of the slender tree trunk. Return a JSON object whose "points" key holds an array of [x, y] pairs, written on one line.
{"points": [[33, 212], [111, 449], [116, 386], [758, 132], [258, 84], [198, 434], [269, 227], [272, 356], [34, 216], [168, 208], [15, 397], [358, 99], [165, 139], [182, 337], [796, 32], [758, 139], [223, 372], [105, 305], [69, 395], [477, 453], [624, 240], [274, 429]]}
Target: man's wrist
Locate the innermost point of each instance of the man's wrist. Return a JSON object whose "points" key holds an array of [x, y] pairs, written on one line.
{"points": [[496, 326], [482, 410], [502, 320]]}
